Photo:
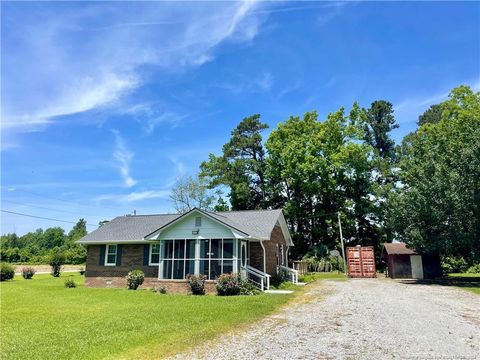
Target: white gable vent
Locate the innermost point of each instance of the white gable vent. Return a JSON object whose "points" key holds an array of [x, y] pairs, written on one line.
{"points": [[198, 221]]}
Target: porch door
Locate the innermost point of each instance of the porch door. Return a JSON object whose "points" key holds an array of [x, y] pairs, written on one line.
{"points": [[243, 259]]}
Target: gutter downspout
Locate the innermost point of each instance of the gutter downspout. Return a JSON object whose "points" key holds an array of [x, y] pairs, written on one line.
{"points": [[265, 264]]}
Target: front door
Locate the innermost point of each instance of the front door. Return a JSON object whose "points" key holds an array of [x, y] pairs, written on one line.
{"points": [[243, 259]]}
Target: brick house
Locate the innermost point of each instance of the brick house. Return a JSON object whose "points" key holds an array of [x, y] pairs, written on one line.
{"points": [[168, 247]]}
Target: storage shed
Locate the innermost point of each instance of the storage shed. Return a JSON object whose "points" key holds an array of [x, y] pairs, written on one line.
{"points": [[404, 262], [361, 262]]}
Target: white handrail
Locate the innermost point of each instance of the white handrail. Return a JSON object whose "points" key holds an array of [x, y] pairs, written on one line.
{"points": [[293, 273], [264, 277]]}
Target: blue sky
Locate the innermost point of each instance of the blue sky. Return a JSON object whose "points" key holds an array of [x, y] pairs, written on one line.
{"points": [[104, 104]]}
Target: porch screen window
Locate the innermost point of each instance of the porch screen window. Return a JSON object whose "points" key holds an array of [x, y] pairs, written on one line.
{"points": [[216, 257], [111, 257], [154, 254], [178, 258]]}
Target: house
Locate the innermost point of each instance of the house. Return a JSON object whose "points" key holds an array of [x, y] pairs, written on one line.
{"points": [[404, 262], [168, 247]]}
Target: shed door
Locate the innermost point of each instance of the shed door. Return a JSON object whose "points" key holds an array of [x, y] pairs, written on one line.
{"points": [[417, 266]]}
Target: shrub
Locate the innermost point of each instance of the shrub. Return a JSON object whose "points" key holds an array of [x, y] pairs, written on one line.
{"points": [[162, 289], [276, 279], [56, 261], [28, 272], [69, 283], [453, 264], [248, 288], [229, 284], [196, 283], [7, 272], [135, 279], [475, 269]]}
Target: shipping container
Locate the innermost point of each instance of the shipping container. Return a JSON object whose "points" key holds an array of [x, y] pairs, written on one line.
{"points": [[361, 261]]}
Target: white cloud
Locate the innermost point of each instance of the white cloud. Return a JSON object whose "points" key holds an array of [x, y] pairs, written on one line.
{"points": [[134, 196], [61, 61], [265, 81], [408, 109], [123, 156], [150, 116]]}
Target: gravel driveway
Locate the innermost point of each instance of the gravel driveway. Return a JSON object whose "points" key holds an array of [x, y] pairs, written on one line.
{"points": [[360, 319]]}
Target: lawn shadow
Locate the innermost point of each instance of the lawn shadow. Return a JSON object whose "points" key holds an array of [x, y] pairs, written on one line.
{"points": [[458, 281]]}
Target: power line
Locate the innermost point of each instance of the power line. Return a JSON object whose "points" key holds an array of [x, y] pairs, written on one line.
{"points": [[45, 208], [41, 217], [66, 201]]}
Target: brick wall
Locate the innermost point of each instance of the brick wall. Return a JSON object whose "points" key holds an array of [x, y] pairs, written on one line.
{"points": [[132, 258], [256, 251], [172, 286]]}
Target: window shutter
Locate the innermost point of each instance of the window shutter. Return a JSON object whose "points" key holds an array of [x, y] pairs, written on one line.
{"points": [[101, 260], [146, 254], [119, 255]]}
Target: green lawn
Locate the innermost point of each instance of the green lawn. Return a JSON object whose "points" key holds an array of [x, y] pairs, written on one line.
{"points": [[334, 275], [469, 282], [41, 319]]}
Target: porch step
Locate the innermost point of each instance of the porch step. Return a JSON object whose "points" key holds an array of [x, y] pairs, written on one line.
{"points": [[278, 291]]}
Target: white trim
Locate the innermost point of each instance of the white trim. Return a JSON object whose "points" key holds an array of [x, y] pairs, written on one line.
{"points": [[106, 255], [150, 263], [286, 233], [119, 242], [154, 235]]}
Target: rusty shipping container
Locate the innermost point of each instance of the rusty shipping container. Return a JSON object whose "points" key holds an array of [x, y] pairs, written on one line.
{"points": [[361, 261]]}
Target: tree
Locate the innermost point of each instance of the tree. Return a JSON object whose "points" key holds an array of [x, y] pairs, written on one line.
{"points": [[241, 167], [378, 123], [78, 231], [191, 192], [438, 207], [316, 169], [431, 116]]}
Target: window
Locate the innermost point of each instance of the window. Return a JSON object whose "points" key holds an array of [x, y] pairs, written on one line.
{"points": [[216, 257], [154, 254], [198, 221], [178, 258], [111, 255]]}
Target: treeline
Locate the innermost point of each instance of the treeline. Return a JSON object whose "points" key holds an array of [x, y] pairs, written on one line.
{"points": [[37, 247], [424, 191]]}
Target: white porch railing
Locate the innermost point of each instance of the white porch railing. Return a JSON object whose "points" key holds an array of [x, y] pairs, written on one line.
{"points": [[292, 274], [257, 277]]}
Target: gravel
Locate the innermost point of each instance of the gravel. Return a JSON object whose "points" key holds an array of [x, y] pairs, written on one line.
{"points": [[360, 319]]}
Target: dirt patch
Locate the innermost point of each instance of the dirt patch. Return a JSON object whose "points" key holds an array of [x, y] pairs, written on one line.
{"points": [[360, 319]]}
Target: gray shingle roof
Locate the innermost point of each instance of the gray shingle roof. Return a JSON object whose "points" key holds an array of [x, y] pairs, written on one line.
{"points": [[256, 223]]}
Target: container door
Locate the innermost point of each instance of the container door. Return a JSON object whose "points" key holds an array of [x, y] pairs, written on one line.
{"points": [[417, 266]]}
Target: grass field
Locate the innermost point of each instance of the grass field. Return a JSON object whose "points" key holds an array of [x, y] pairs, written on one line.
{"points": [[334, 275], [469, 282], [41, 319]]}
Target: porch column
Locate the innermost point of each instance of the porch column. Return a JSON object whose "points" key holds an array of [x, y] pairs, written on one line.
{"points": [[160, 263], [197, 256]]}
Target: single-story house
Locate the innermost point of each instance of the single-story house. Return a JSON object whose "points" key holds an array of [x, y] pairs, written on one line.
{"points": [[404, 262], [168, 247]]}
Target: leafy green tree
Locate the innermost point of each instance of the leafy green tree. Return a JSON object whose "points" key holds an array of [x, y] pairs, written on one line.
{"points": [[78, 231], [431, 116], [438, 207], [241, 167]]}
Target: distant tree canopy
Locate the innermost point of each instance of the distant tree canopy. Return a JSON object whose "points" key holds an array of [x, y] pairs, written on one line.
{"points": [[424, 191], [36, 247]]}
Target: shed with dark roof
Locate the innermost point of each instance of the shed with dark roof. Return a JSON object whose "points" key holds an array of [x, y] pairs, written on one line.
{"points": [[404, 262]]}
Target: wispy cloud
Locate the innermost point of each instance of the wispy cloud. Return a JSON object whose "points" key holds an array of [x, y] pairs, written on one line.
{"points": [[57, 66], [123, 156], [408, 109], [134, 196], [265, 81], [152, 115]]}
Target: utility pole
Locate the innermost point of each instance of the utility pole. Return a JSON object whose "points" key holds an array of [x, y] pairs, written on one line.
{"points": [[343, 247]]}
